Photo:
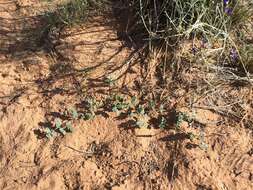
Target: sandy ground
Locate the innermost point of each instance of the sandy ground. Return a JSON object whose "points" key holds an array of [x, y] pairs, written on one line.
{"points": [[101, 153]]}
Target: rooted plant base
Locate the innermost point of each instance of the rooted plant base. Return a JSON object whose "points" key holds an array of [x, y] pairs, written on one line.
{"points": [[108, 152]]}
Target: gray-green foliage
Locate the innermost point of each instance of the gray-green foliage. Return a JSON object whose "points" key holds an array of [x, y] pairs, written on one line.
{"points": [[92, 106], [162, 123], [119, 103], [62, 126], [59, 127], [109, 81], [141, 117], [181, 117], [72, 112], [49, 132]]}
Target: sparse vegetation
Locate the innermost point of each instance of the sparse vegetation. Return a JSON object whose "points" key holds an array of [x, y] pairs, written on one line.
{"points": [[148, 91], [69, 14], [209, 33], [62, 126], [72, 13], [201, 32]]}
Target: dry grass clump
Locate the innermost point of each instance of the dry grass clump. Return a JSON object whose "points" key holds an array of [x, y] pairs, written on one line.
{"points": [[214, 29], [72, 13]]}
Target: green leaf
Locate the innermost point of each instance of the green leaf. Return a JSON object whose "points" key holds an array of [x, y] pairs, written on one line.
{"points": [[49, 133], [109, 81], [115, 108], [151, 104], [134, 101], [203, 146], [49, 136], [191, 136], [90, 102], [142, 121], [161, 108], [121, 106], [162, 124], [69, 127], [58, 123], [66, 113], [62, 131], [140, 110], [74, 113], [131, 114], [119, 98]]}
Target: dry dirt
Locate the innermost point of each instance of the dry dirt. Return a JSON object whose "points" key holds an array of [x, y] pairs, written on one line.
{"points": [[102, 153]]}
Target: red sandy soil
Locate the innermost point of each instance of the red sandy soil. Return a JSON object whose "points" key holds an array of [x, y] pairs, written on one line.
{"points": [[99, 154]]}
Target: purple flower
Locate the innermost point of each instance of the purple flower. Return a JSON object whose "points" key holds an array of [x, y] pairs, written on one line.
{"points": [[228, 11], [194, 50], [226, 2], [234, 55], [204, 42]]}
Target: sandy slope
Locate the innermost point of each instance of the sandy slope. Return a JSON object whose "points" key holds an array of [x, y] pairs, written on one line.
{"points": [[102, 153]]}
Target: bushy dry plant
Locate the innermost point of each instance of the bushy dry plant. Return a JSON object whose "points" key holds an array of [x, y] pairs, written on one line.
{"points": [[212, 27]]}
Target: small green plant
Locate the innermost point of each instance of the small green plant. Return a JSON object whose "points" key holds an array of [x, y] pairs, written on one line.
{"points": [[161, 109], [92, 106], [59, 126], [151, 105], [140, 110], [140, 117], [49, 133], [71, 113], [134, 102], [69, 127], [119, 103], [192, 136], [109, 81], [142, 120], [162, 123], [64, 125], [88, 116], [182, 116]]}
